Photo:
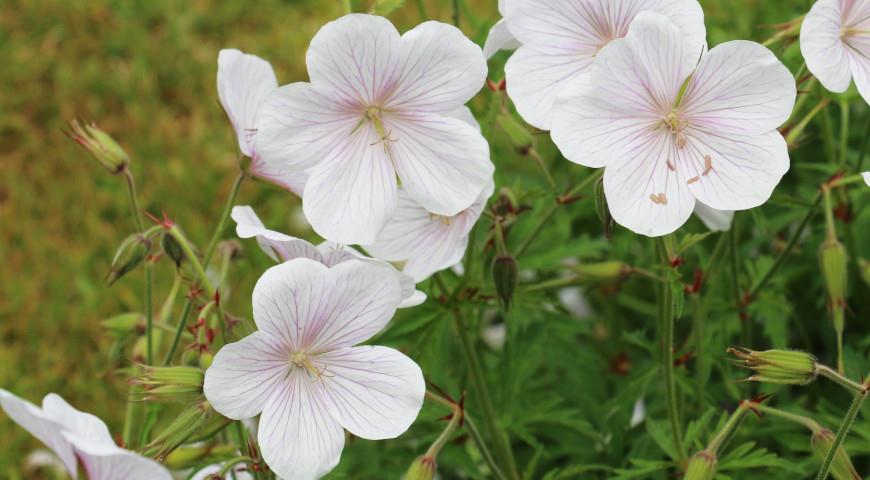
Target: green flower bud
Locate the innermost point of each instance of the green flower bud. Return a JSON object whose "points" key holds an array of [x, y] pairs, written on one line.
{"points": [[505, 277], [124, 324], [423, 468], [132, 252], [865, 270], [205, 360], [519, 135], [172, 249], [182, 427], [785, 367], [841, 468], [834, 264], [702, 466], [100, 145], [187, 456], [603, 271], [170, 383]]}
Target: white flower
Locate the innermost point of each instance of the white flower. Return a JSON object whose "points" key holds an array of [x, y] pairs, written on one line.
{"points": [[866, 176], [715, 220], [283, 248], [78, 437], [376, 110], [243, 82], [671, 130], [561, 39], [303, 372], [208, 472], [835, 42], [500, 36]]}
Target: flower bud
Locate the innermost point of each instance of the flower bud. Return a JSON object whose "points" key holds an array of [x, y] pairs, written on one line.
{"points": [[124, 324], [423, 468], [519, 135], [190, 456], [701, 467], [603, 271], [505, 277], [603, 210], [133, 250], [170, 383], [865, 270], [100, 145], [785, 367], [182, 427], [172, 249], [205, 360], [841, 468], [834, 263]]}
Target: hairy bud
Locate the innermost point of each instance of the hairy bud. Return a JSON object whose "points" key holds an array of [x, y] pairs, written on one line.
{"points": [[132, 252], [172, 249], [519, 135], [185, 424], [702, 466], [834, 264], [170, 383], [120, 326], [100, 145], [423, 468], [602, 272], [505, 277], [841, 468], [190, 456], [785, 367]]}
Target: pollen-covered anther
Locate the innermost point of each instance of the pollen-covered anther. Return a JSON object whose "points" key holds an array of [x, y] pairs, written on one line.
{"points": [[708, 165], [659, 199], [301, 360], [442, 218]]}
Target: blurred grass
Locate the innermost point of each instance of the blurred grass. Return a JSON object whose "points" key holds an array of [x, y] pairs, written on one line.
{"points": [[145, 72]]}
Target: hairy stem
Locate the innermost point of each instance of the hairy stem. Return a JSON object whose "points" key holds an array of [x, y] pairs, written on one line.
{"points": [[845, 426], [666, 310]]}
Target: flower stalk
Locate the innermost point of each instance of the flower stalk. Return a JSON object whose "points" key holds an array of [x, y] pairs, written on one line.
{"points": [[666, 322], [845, 426]]}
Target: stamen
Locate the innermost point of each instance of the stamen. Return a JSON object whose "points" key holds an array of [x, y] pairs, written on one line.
{"points": [[671, 166], [301, 360], [442, 218], [708, 165], [693, 179], [659, 199]]}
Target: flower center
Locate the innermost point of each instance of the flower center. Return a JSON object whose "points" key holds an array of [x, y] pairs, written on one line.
{"points": [[847, 32], [676, 125], [301, 360], [375, 115], [441, 218]]}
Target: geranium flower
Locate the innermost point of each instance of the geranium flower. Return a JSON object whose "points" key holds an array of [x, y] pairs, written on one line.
{"points": [[80, 438], [243, 82], [302, 371], [671, 129], [835, 42], [715, 220], [561, 39], [283, 248], [376, 110], [500, 36], [424, 242]]}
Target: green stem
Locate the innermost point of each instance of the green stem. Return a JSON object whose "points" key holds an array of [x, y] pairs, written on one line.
{"points": [[456, 13], [421, 7], [864, 145], [478, 382], [845, 426], [839, 379], [739, 300], [149, 277], [729, 430], [667, 324], [844, 131], [225, 215], [232, 463], [541, 163], [442, 439], [179, 237], [792, 242], [800, 419]]}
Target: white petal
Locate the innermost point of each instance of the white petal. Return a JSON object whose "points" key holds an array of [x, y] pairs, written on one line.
{"points": [[440, 70], [374, 392], [859, 60], [287, 176], [499, 38], [102, 463], [715, 220], [745, 170], [40, 425], [631, 182], [360, 301], [299, 440], [352, 193], [740, 87], [464, 113], [355, 57], [207, 473], [822, 47], [243, 82], [866, 176], [299, 124], [426, 243], [278, 246], [442, 162], [86, 427], [244, 374], [416, 298]]}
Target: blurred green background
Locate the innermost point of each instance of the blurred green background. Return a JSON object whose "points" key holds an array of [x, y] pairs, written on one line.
{"points": [[144, 71]]}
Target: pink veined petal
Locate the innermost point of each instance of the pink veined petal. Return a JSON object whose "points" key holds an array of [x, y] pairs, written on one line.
{"points": [[744, 169], [334, 253], [355, 58], [244, 374], [499, 38], [464, 113], [287, 176], [715, 220], [298, 438], [40, 425], [351, 195], [289, 297], [439, 70], [643, 193], [740, 87], [823, 49], [243, 82], [276, 245], [102, 463], [373, 392], [86, 427], [299, 124], [859, 61], [359, 302], [443, 162]]}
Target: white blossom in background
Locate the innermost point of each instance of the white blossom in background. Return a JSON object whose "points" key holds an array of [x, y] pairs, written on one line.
{"points": [[282, 248], [243, 82], [866, 176], [80, 438], [671, 131], [835, 42], [302, 372], [715, 220], [638, 413], [376, 113], [500, 36], [562, 38]]}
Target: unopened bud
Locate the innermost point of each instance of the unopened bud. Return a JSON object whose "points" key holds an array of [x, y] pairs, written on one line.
{"points": [[702, 466], [602, 272], [519, 135], [172, 249], [603, 210], [205, 360], [784, 367], [423, 468], [184, 425], [140, 350], [170, 383], [505, 278], [100, 145], [834, 263], [189, 456], [841, 468], [124, 324], [133, 250], [865, 270]]}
